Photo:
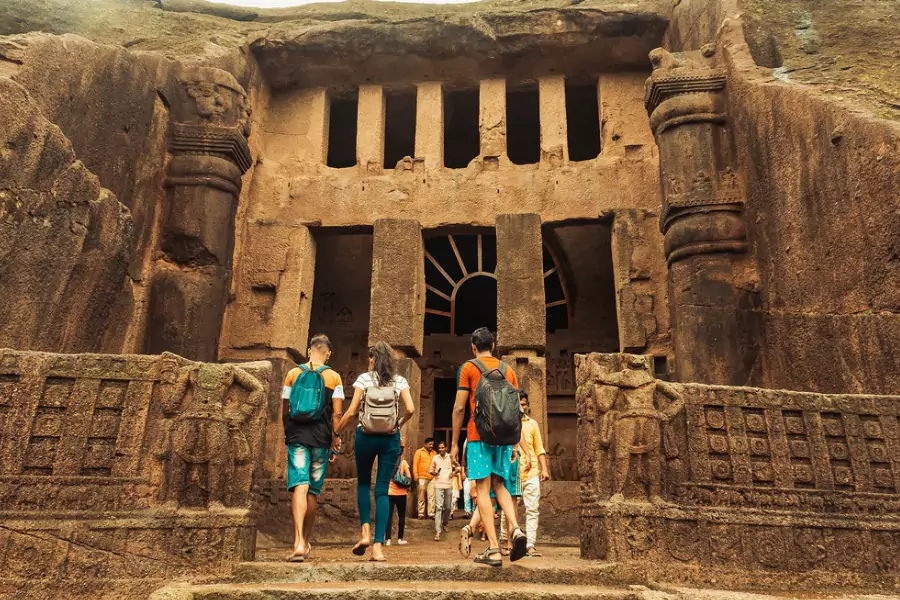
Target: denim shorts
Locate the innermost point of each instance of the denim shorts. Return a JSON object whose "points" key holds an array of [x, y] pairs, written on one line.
{"points": [[306, 466]]}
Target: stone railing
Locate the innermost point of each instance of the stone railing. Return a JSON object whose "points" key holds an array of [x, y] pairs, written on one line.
{"points": [[735, 477], [125, 467]]}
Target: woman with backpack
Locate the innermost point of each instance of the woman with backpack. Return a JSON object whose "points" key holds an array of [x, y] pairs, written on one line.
{"points": [[376, 398], [397, 493]]}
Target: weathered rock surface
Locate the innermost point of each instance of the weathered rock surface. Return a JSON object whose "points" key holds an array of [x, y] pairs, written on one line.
{"points": [[441, 45], [847, 50], [64, 240]]}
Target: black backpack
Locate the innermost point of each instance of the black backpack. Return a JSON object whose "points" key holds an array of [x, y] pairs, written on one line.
{"points": [[498, 415]]}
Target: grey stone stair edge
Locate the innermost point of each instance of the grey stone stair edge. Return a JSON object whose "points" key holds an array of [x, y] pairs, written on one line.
{"points": [[261, 572], [412, 590]]}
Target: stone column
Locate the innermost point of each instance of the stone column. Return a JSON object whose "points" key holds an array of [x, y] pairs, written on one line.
{"points": [[492, 125], [430, 124], [624, 127], [209, 154], [370, 129], [267, 317], [521, 306], [636, 272], [710, 277], [552, 99], [397, 308]]}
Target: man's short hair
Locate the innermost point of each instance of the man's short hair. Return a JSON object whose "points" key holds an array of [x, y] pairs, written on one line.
{"points": [[483, 339], [428, 440], [320, 341]]}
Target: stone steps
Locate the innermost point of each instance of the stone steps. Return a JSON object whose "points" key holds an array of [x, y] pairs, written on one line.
{"points": [[395, 590], [597, 574]]}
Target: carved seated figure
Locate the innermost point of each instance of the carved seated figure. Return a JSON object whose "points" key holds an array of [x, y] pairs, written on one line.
{"points": [[633, 424], [203, 430]]}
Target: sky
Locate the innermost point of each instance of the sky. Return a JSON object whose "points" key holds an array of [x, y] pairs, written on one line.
{"points": [[287, 3]]}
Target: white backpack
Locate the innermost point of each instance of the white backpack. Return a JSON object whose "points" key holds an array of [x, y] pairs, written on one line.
{"points": [[380, 411]]}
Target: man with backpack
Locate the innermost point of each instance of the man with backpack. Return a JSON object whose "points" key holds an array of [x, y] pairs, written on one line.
{"points": [[495, 427], [312, 405]]}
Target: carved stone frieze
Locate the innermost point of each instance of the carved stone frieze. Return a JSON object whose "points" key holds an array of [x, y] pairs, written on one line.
{"points": [[126, 466], [751, 478]]}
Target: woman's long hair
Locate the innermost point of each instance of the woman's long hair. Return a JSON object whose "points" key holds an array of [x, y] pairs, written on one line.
{"points": [[384, 362]]}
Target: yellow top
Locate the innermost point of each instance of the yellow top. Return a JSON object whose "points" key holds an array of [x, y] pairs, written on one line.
{"points": [[533, 446]]}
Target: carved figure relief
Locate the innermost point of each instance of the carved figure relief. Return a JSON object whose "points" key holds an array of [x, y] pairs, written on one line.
{"points": [[208, 99], [204, 428], [633, 425]]}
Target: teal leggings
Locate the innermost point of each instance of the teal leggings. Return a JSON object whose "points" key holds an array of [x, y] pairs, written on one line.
{"points": [[386, 448]]}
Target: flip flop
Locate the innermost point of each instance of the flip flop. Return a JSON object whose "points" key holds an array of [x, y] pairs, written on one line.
{"points": [[373, 559], [465, 541], [532, 553], [519, 545], [296, 558], [360, 549]]}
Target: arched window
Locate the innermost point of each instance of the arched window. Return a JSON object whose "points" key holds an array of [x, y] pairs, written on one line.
{"points": [[461, 285]]}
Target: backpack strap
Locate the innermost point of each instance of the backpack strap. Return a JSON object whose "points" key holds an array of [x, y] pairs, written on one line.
{"points": [[322, 369], [502, 368], [303, 367], [479, 365]]}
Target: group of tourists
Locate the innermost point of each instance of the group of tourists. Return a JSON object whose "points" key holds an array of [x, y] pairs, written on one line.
{"points": [[503, 458]]}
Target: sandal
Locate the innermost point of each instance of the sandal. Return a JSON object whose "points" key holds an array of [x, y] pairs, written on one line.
{"points": [[485, 558], [296, 558], [465, 541], [360, 549], [532, 553], [519, 545], [505, 551]]}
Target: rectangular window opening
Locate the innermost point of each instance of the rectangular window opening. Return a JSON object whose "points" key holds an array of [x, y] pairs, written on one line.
{"points": [[523, 126], [342, 124], [462, 138], [583, 120], [399, 127]]}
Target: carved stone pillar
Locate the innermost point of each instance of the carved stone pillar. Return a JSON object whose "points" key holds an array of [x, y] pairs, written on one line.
{"points": [[208, 155], [521, 307], [702, 219], [397, 308]]}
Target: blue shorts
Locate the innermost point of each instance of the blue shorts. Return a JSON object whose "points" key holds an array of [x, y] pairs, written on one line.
{"points": [[306, 466], [484, 460]]}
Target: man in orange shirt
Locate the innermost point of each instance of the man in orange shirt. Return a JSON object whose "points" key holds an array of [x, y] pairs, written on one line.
{"points": [[424, 478], [489, 466]]}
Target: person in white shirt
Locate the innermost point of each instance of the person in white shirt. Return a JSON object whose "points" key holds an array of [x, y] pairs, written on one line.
{"points": [[443, 470]]}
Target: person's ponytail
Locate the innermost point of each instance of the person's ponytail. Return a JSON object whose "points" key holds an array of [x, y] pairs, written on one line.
{"points": [[383, 356]]}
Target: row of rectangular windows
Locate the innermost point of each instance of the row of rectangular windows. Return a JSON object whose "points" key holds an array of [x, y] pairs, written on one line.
{"points": [[462, 136]]}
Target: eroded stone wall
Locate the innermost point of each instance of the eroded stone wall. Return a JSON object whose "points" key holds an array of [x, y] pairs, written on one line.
{"points": [[64, 240]]}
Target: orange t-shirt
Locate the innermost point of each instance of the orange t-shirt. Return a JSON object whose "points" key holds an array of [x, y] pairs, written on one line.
{"points": [[466, 380]]}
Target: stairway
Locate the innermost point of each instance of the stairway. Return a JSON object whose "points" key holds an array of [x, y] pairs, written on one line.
{"points": [[371, 581]]}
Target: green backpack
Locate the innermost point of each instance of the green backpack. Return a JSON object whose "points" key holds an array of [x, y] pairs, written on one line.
{"points": [[307, 398]]}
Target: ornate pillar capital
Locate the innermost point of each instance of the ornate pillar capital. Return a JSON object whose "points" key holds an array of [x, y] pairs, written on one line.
{"points": [[209, 121], [207, 140], [702, 210]]}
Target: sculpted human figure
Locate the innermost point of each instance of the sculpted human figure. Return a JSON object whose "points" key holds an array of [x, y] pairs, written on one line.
{"points": [[206, 431], [633, 423]]}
